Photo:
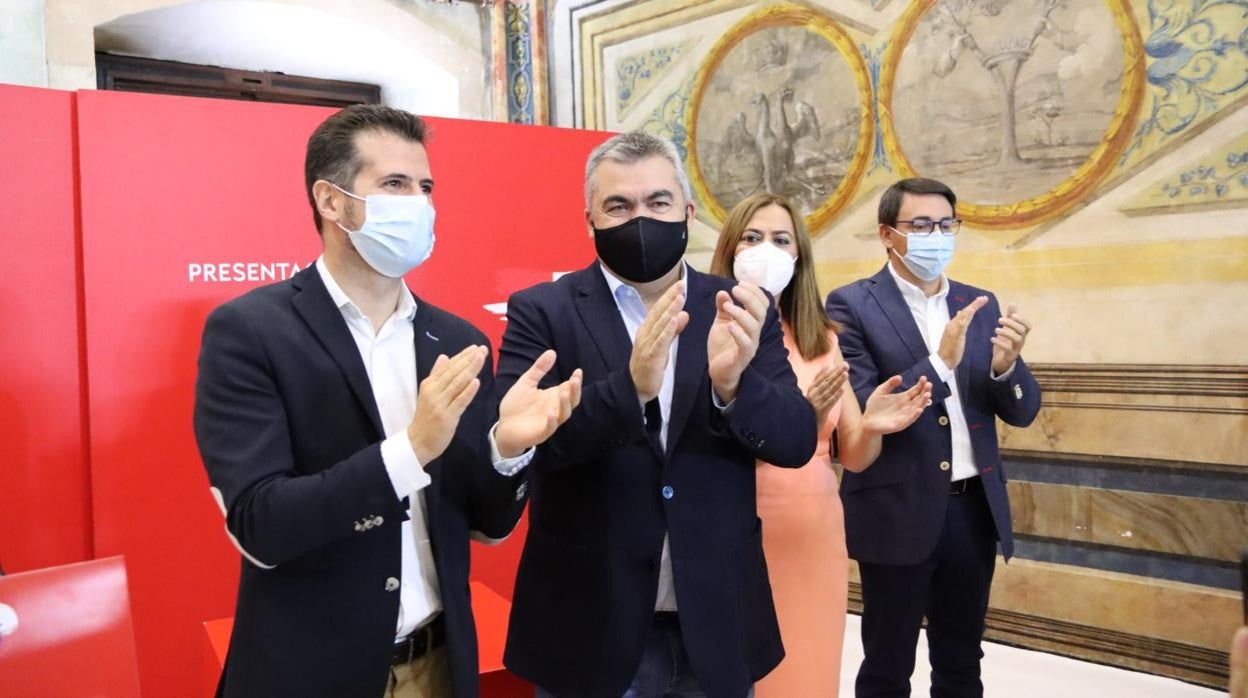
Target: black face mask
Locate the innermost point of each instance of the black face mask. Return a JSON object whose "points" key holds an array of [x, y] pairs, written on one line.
{"points": [[642, 249]]}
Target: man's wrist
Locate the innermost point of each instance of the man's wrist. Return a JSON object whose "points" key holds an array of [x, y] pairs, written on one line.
{"points": [[944, 368], [505, 449], [422, 454], [1003, 374]]}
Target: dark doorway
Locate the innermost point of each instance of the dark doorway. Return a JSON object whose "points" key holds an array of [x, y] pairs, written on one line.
{"points": [[130, 74]]}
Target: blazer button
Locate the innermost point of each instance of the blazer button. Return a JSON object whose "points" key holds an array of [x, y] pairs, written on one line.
{"points": [[392, 584], [944, 421], [944, 465], [668, 492]]}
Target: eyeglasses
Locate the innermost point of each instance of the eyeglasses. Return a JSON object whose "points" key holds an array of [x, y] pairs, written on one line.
{"points": [[926, 226]]}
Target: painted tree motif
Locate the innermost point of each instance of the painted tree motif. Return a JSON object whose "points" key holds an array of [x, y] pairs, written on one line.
{"points": [[1010, 50]]}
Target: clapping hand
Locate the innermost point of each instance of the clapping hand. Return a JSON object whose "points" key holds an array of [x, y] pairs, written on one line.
{"points": [[529, 414], [826, 390], [652, 346], [1007, 342], [888, 412], [444, 395], [734, 336], [953, 340]]}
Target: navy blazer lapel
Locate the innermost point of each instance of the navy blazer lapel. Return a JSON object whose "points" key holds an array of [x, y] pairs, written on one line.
{"points": [[601, 317], [428, 346], [884, 289], [691, 367], [426, 336], [428, 343], [314, 305]]}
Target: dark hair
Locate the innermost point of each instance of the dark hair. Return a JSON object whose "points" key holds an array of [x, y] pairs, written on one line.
{"points": [[890, 202], [332, 155]]}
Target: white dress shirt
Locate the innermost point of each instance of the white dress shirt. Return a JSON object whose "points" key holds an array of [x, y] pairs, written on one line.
{"points": [[389, 357], [633, 312], [931, 315]]}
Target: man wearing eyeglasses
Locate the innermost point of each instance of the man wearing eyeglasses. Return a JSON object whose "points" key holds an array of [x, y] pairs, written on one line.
{"points": [[924, 520]]}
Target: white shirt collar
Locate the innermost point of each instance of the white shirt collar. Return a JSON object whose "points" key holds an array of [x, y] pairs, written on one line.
{"points": [[407, 302], [914, 294], [614, 282]]}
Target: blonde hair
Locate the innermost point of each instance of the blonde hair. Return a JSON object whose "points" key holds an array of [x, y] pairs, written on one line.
{"points": [[800, 302]]}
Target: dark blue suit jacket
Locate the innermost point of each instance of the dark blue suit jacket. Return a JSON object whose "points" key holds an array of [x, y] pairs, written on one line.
{"points": [[289, 431], [895, 509], [585, 592]]}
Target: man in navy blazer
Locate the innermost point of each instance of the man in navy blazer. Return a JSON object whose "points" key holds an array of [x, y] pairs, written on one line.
{"points": [[924, 520], [643, 571], [350, 491]]}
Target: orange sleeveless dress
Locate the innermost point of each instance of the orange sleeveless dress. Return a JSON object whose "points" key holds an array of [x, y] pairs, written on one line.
{"points": [[804, 543]]}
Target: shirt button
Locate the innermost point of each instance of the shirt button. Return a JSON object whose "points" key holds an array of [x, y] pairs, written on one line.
{"points": [[944, 465], [391, 584], [944, 421], [668, 492]]}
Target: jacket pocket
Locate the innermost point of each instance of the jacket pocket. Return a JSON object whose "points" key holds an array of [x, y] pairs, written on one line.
{"points": [[877, 475]]}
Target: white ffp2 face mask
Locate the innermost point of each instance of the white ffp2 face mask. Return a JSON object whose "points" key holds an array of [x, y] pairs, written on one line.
{"points": [[766, 266], [397, 234]]}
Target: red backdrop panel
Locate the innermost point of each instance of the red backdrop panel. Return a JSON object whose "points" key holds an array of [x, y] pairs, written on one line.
{"points": [[173, 187], [73, 634], [45, 504]]}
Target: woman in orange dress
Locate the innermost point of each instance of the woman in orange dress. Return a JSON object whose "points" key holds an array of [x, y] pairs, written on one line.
{"points": [[765, 243]]}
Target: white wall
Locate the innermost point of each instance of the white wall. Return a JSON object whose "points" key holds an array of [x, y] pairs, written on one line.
{"points": [[22, 57], [429, 58]]}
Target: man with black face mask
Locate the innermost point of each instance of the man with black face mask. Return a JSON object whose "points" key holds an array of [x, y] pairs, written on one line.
{"points": [[643, 571]]}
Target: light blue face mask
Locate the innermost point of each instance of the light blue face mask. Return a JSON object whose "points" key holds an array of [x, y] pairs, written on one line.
{"points": [[397, 234], [926, 255]]}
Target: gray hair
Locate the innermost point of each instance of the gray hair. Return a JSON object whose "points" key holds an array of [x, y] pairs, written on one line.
{"points": [[627, 148]]}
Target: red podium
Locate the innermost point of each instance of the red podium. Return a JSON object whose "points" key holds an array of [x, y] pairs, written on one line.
{"points": [[490, 610], [66, 631]]}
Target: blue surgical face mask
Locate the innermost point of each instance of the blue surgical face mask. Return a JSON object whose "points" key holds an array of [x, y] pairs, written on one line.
{"points": [[926, 255], [397, 234]]}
